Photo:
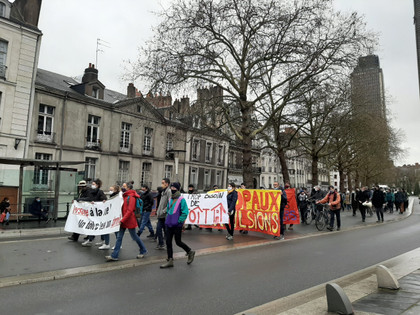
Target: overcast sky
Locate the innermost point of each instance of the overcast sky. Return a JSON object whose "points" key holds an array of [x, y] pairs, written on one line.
{"points": [[71, 29]]}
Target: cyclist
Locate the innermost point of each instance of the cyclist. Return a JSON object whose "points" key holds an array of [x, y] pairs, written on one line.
{"points": [[334, 201]]}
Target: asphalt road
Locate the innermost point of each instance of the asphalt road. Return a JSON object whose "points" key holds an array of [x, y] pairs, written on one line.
{"points": [[223, 283]]}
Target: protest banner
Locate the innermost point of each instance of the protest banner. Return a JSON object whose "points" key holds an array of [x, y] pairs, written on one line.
{"points": [[291, 211], [95, 218], [207, 209]]}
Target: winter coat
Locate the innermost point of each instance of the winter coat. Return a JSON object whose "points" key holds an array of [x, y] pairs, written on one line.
{"points": [[35, 208], [93, 195], [182, 212], [129, 220], [333, 199], [390, 197], [399, 197], [4, 205], [378, 199], [232, 198], [147, 201], [347, 198], [163, 204], [302, 201], [364, 196]]}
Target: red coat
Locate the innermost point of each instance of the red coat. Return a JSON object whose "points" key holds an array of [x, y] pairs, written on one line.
{"points": [[329, 198], [129, 220]]}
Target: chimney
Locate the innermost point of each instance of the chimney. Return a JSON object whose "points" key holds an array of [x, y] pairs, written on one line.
{"points": [[131, 90], [91, 74]]}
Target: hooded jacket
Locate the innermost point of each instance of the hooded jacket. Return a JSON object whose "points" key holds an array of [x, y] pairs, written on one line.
{"points": [[129, 220], [163, 204]]}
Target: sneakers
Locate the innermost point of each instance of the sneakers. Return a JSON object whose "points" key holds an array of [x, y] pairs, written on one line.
{"points": [[113, 247], [110, 258], [191, 255], [99, 243], [290, 228], [160, 247], [141, 255], [151, 236], [338, 229], [169, 264], [281, 237], [104, 246], [329, 228], [87, 243], [229, 237]]}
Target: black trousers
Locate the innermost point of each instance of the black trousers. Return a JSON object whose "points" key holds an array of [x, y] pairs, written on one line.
{"points": [[380, 213], [337, 214], [362, 211], [170, 233], [231, 226]]}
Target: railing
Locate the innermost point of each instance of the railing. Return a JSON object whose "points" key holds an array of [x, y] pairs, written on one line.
{"points": [[93, 145], [125, 149], [45, 137], [148, 151], [3, 69]]}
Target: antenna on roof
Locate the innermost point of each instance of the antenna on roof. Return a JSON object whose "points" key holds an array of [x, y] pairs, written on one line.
{"points": [[100, 43]]}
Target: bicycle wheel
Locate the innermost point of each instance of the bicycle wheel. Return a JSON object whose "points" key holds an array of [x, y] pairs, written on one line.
{"points": [[308, 217], [321, 222]]}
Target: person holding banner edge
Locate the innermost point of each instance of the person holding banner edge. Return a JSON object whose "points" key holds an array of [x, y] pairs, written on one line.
{"points": [[232, 198], [283, 204], [177, 213], [129, 222]]}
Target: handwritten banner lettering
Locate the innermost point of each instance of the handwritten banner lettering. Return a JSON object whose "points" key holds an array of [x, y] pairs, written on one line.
{"points": [[207, 209], [95, 218], [291, 212]]}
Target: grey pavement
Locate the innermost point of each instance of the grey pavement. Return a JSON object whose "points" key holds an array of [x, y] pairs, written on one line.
{"points": [[224, 282]]}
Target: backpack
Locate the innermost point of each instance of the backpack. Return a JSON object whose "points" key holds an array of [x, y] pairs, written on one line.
{"points": [[139, 207]]}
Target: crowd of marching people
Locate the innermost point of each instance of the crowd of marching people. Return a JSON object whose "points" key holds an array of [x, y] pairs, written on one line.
{"points": [[172, 212]]}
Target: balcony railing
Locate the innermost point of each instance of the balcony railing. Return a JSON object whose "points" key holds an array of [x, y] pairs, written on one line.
{"points": [[93, 144], [45, 136], [3, 69], [148, 151], [126, 148]]}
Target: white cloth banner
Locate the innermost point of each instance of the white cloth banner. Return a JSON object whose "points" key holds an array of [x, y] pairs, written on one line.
{"points": [[95, 218], [207, 209]]}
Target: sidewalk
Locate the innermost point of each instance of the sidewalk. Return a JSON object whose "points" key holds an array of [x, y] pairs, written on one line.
{"points": [[37, 254]]}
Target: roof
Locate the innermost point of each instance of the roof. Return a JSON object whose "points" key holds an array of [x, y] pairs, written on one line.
{"points": [[63, 83]]}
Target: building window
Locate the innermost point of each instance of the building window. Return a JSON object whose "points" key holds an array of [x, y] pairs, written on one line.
{"points": [[40, 174], [147, 142], [138, 109], [219, 178], [145, 174], [220, 153], [95, 92], [3, 58], [263, 181], [209, 151], [168, 171], [93, 129], [125, 136], [170, 142], [231, 159], [45, 119], [207, 179], [171, 115], [193, 177], [2, 9], [196, 149], [123, 171], [90, 168]]}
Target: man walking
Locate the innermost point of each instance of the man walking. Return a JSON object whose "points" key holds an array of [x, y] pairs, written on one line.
{"points": [[161, 212], [378, 201], [147, 210], [334, 201]]}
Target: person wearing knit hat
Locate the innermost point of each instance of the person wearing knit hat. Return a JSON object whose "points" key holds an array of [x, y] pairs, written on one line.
{"points": [[176, 215]]}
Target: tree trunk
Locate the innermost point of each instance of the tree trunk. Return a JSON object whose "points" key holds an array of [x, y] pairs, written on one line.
{"points": [[349, 182], [357, 179], [342, 179], [248, 171], [314, 170], [283, 164]]}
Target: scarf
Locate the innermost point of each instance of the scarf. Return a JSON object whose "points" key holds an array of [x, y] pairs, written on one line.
{"points": [[176, 195]]}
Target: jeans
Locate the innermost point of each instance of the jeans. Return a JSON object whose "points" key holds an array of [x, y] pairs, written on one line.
{"points": [[160, 231], [380, 213], [170, 233], [145, 222], [337, 214], [231, 226], [135, 238], [106, 237]]}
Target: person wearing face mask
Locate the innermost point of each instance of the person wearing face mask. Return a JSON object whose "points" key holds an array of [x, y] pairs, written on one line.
{"points": [[165, 197], [334, 201], [232, 198], [37, 210], [147, 210], [177, 213]]}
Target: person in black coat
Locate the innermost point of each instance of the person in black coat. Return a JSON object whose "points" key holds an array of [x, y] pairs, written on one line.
{"points": [[147, 210], [364, 195], [378, 201], [37, 210], [232, 198]]}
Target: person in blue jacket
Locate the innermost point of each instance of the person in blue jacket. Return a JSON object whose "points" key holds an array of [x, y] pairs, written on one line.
{"points": [[175, 217], [232, 198]]}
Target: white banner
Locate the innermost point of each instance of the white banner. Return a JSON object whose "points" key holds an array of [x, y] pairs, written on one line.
{"points": [[95, 218], [207, 209]]}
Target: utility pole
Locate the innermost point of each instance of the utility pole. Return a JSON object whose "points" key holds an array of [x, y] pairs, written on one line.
{"points": [[100, 43]]}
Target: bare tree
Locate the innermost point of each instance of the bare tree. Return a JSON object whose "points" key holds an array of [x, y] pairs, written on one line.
{"points": [[253, 50]]}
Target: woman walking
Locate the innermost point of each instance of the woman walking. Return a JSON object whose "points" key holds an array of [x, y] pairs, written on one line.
{"points": [[176, 215]]}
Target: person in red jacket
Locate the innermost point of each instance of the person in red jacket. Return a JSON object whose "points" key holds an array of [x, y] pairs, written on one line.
{"points": [[334, 201], [129, 222]]}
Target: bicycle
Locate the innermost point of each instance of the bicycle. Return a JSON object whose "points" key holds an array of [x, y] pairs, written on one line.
{"points": [[323, 218], [311, 212]]}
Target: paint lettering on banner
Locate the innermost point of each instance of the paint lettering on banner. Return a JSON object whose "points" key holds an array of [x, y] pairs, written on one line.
{"points": [[207, 209], [95, 218], [291, 211]]}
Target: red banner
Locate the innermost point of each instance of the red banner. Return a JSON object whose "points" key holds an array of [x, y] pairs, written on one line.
{"points": [[291, 211]]}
